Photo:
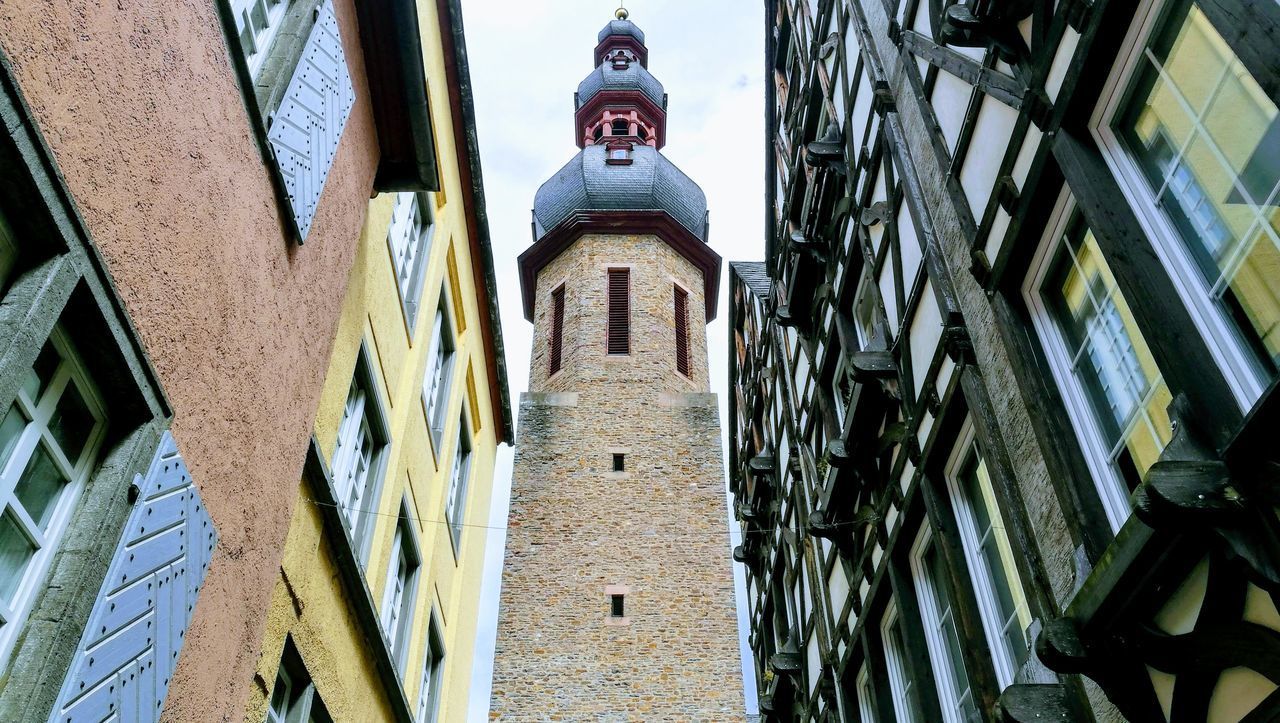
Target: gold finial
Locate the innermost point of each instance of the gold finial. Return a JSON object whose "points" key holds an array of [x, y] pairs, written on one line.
{"points": [[621, 12]]}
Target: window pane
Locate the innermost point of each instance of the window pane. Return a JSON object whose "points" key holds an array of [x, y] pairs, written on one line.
{"points": [[10, 430], [71, 423], [946, 629], [16, 552], [39, 487], [897, 649], [1109, 357], [996, 557], [1208, 141]]}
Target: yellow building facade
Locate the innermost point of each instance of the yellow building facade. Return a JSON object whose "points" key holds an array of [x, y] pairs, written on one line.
{"points": [[374, 612]]}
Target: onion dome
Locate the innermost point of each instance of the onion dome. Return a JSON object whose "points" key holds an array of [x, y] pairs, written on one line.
{"points": [[649, 182], [621, 26], [621, 76]]}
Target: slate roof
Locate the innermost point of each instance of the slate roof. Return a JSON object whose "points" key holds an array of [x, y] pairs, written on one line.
{"points": [[650, 183], [633, 77], [621, 27], [754, 275]]}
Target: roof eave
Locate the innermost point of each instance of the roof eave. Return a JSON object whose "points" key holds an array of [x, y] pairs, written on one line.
{"points": [[392, 43], [658, 223], [466, 140]]}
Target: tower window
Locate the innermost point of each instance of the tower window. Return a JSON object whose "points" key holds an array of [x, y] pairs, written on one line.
{"points": [[621, 127], [619, 462], [557, 328], [618, 330], [682, 330], [617, 608]]}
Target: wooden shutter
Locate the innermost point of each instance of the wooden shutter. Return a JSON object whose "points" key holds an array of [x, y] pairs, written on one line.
{"points": [[305, 129], [129, 648], [682, 331], [619, 327], [557, 328]]}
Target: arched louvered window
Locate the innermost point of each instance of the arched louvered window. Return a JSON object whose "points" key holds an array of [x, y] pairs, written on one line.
{"points": [[557, 328], [682, 331], [618, 331]]}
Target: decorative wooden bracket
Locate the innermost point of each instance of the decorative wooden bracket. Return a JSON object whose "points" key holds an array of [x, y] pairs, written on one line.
{"points": [[1026, 702], [1191, 486], [828, 151]]}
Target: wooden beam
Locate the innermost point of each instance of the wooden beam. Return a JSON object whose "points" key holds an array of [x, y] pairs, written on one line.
{"points": [[1252, 29], [988, 80]]}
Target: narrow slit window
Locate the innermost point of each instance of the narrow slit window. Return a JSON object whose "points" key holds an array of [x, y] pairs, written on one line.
{"points": [[557, 329], [617, 605], [619, 463], [682, 331], [619, 320]]}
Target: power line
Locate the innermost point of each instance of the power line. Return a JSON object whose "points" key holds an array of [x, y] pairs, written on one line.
{"points": [[733, 533]]}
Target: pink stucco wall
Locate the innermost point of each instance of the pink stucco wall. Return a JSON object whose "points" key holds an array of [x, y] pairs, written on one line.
{"points": [[141, 107]]}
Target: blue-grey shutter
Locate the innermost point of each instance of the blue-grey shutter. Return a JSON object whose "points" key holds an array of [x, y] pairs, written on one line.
{"points": [[129, 648], [305, 129]]}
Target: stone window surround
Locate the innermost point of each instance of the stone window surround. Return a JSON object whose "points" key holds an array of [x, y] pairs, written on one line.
{"points": [[605, 267], [609, 592], [561, 282], [59, 279], [609, 473], [691, 378]]}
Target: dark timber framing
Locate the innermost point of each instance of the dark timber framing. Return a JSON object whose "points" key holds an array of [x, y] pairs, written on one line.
{"points": [[915, 152]]}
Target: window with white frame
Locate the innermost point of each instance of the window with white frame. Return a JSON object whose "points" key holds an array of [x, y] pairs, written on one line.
{"points": [[938, 616], [459, 477], [357, 456], [1115, 394], [906, 699], [49, 441], [409, 239], [866, 699], [1194, 140], [398, 594], [432, 672], [258, 22], [293, 697], [996, 583], [440, 359]]}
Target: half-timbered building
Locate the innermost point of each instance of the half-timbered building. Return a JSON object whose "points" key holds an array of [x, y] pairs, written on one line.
{"points": [[1001, 390]]}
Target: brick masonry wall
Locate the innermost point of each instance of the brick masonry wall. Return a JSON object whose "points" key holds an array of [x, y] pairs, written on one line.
{"points": [[659, 529]]}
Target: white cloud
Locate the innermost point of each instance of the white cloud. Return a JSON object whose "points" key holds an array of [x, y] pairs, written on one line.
{"points": [[526, 60]]}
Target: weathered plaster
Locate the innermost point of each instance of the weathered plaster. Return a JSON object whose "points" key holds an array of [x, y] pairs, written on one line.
{"points": [[143, 114]]}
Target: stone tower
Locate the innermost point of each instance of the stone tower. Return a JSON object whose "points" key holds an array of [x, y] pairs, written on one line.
{"points": [[617, 594]]}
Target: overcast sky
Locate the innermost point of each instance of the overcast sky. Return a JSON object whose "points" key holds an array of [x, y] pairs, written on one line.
{"points": [[527, 58]]}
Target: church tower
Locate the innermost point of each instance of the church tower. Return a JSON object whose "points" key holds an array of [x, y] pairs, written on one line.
{"points": [[617, 593]]}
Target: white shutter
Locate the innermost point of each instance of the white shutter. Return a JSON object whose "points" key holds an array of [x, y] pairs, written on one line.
{"points": [[305, 129], [130, 645]]}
